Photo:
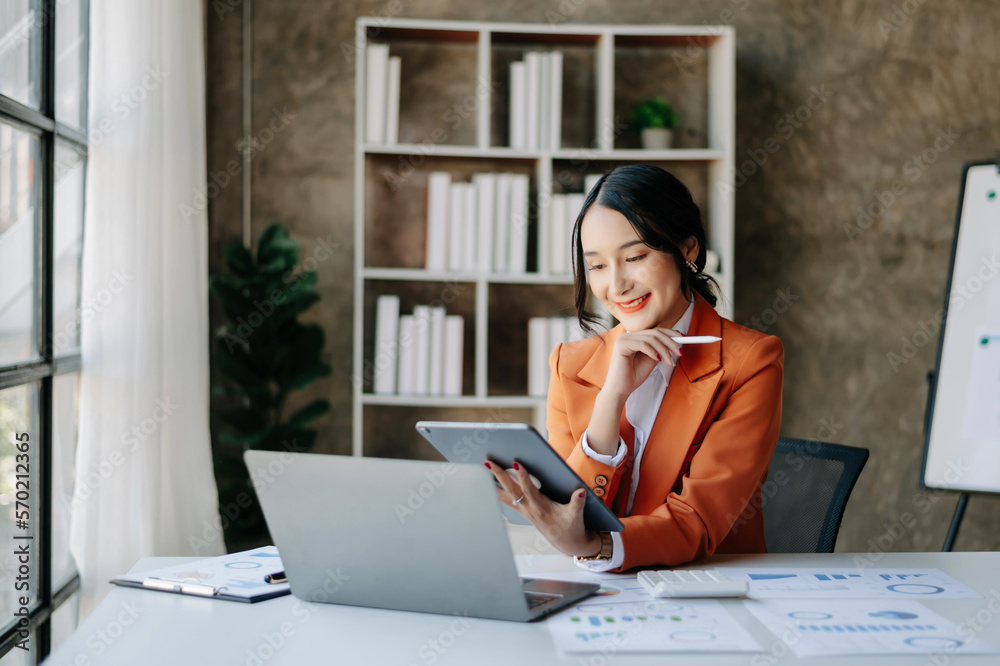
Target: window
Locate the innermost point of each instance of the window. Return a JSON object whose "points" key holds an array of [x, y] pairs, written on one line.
{"points": [[43, 160]]}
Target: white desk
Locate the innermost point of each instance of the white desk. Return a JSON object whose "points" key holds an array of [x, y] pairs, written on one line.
{"points": [[144, 627]]}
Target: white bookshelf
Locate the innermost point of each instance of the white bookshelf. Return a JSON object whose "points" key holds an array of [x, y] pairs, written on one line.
{"points": [[475, 56]]}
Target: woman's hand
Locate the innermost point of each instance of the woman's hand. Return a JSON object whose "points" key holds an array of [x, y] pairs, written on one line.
{"points": [[634, 357], [560, 524]]}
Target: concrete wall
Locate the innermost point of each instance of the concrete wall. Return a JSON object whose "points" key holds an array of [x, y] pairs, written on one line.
{"points": [[902, 94]]}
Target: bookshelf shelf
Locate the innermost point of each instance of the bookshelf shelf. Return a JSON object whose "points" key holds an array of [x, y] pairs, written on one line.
{"points": [[455, 117]]}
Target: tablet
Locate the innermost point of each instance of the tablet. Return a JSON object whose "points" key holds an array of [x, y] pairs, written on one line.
{"points": [[503, 443]]}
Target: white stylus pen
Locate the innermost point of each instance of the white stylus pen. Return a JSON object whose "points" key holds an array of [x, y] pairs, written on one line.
{"points": [[695, 339]]}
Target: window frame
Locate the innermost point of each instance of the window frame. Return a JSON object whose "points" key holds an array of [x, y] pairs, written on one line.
{"points": [[42, 370]]}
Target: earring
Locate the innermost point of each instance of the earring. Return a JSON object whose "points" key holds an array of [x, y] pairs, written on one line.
{"points": [[693, 266]]}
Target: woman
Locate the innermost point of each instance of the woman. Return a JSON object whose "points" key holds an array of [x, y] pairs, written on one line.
{"points": [[676, 439]]}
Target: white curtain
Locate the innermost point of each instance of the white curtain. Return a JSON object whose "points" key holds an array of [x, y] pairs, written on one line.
{"points": [[144, 483]]}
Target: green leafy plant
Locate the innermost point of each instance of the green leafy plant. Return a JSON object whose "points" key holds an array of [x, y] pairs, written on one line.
{"points": [[264, 353], [653, 113]]}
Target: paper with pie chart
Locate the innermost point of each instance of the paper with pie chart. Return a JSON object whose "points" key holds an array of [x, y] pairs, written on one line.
{"points": [[827, 627], [653, 625], [856, 583], [241, 575]]}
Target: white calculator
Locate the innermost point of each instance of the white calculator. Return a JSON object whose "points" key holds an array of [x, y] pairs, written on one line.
{"points": [[691, 583]]}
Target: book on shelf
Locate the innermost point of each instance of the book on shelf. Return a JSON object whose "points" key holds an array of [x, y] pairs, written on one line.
{"points": [[392, 101], [426, 355], [482, 226], [486, 187], [386, 348], [518, 105], [437, 351], [454, 337], [535, 99], [382, 79], [544, 333], [438, 199], [407, 356], [517, 261], [501, 224], [422, 347]]}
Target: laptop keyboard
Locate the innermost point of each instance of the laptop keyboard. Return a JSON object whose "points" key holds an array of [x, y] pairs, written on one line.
{"points": [[536, 599]]}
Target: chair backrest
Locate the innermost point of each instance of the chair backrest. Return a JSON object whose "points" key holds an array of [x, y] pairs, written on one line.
{"points": [[803, 500]]}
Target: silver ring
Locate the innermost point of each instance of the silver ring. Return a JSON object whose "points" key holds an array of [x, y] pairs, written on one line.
{"points": [[519, 499]]}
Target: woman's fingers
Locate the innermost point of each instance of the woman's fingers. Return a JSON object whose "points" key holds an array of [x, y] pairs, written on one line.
{"points": [[511, 487]]}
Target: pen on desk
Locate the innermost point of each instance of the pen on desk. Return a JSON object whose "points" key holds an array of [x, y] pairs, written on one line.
{"points": [[275, 578], [695, 339]]}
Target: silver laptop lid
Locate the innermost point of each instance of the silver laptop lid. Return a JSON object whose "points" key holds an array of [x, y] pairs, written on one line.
{"points": [[405, 535]]}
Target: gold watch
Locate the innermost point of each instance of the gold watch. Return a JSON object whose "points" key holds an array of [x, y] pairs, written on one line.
{"points": [[607, 548]]}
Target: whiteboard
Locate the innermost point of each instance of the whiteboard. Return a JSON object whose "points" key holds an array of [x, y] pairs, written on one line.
{"points": [[962, 442]]}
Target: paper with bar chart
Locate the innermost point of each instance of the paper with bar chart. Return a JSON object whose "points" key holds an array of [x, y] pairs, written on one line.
{"points": [[653, 625], [857, 583], [827, 627]]}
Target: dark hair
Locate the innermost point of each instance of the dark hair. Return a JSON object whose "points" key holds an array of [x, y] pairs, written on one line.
{"points": [[660, 209]]}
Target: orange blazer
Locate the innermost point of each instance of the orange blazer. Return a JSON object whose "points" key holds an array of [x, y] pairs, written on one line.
{"points": [[710, 445]]}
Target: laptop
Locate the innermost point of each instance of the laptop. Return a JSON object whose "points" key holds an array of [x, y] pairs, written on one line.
{"points": [[397, 534]]}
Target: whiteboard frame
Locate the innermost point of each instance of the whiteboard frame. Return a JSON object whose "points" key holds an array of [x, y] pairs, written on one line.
{"points": [[933, 378]]}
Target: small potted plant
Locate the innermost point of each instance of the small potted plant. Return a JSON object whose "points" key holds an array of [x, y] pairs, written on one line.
{"points": [[655, 119]]}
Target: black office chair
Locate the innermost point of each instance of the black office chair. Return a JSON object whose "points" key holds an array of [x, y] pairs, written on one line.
{"points": [[808, 484]]}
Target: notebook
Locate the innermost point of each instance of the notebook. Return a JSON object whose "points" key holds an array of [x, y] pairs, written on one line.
{"points": [[397, 534]]}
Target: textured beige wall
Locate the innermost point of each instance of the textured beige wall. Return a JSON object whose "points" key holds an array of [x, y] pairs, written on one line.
{"points": [[885, 80]]}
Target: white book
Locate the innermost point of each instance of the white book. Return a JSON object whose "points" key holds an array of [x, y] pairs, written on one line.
{"points": [[518, 105], [518, 261], [554, 89], [558, 332], [437, 351], [470, 234], [422, 349], [486, 187], [376, 79], [533, 61], [538, 355], [454, 338], [559, 236], [386, 343], [574, 330], [544, 100], [438, 194], [501, 225], [589, 181], [407, 355], [457, 224], [392, 101]]}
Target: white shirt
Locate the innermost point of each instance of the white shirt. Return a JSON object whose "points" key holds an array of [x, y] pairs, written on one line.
{"points": [[641, 408]]}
